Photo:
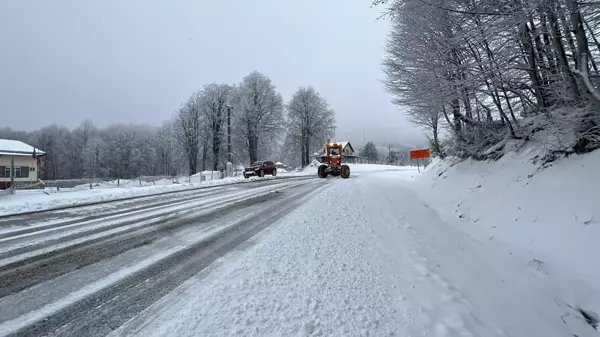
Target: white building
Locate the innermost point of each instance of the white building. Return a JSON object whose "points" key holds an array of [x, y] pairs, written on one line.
{"points": [[347, 149], [25, 161]]}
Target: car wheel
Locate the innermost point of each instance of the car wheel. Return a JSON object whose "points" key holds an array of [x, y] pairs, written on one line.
{"points": [[274, 173], [261, 173], [245, 176]]}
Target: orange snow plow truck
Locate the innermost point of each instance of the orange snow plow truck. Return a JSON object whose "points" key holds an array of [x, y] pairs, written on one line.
{"points": [[331, 162]]}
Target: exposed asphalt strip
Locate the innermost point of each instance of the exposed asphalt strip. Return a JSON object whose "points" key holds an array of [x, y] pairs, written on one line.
{"points": [[25, 272], [28, 235], [58, 208], [102, 215], [100, 312]]}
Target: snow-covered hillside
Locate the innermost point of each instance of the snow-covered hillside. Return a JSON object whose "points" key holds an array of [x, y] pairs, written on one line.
{"points": [[552, 214]]}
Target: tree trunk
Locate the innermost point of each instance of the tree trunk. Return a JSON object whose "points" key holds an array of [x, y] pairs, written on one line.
{"points": [[307, 150], [204, 152], [456, 115], [529, 55], [567, 29], [216, 145], [561, 55], [303, 149], [253, 148], [192, 160], [551, 74], [582, 51], [436, 142]]}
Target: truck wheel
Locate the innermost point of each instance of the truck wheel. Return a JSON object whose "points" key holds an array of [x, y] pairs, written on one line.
{"points": [[345, 171], [321, 171]]}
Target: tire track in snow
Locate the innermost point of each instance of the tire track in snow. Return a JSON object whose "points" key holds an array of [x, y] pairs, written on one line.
{"points": [[107, 306], [27, 223], [312, 275], [18, 272], [34, 215]]}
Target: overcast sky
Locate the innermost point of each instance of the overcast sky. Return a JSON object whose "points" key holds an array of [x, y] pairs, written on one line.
{"points": [[135, 61]]}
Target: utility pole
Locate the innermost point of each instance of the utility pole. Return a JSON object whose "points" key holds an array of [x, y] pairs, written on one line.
{"points": [[12, 174], [229, 165], [229, 133]]}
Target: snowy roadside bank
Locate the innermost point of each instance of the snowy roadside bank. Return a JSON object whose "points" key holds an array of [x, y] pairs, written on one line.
{"points": [[551, 214], [24, 201]]}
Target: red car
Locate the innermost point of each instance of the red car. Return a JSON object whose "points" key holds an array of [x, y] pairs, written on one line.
{"points": [[260, 168]]}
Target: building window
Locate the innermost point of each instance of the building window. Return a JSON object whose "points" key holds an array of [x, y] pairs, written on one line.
{"points": [[24, 172], [18, 172]]}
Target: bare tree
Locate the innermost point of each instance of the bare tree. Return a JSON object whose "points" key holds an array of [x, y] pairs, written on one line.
{"points": [[484, 64], [118, 151], [144, 154], [81, 150], [429, 117], [48, 139], [310, 121], [258, 109], [188, 128], [167, 150], [214, 99]]}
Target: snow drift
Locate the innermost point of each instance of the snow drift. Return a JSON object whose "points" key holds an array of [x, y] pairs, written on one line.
{"points": [[550, 213]]}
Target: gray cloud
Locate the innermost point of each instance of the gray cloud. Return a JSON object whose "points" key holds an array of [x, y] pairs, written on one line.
{"points": [[135, 61]]}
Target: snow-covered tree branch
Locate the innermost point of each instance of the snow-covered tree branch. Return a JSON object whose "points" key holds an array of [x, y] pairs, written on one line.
{"points": [[258, 111], [486, 65], [310, 121]]}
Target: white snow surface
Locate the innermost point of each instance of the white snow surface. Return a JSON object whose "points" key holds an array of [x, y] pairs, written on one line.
{"points": [[371, 257], [551, 215]]}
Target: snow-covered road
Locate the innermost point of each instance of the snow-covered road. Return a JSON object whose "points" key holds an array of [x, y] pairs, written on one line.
{"points": [[85, 271], [367, 257]]}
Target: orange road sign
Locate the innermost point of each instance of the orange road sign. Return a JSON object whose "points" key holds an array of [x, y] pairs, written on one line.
{"points": [[422, 153]]}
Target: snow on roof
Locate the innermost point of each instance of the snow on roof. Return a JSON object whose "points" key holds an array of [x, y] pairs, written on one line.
{"points": [[16, 147], [344, 144]]}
